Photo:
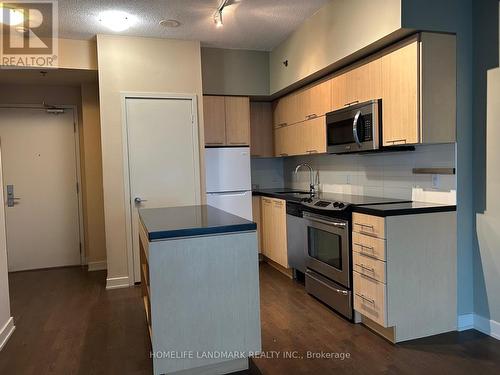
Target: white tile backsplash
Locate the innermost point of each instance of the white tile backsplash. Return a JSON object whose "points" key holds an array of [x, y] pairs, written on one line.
{"points": [[383, 174]]}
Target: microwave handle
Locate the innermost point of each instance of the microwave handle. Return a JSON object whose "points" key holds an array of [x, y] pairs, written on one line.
{"points": [[355, 128]]}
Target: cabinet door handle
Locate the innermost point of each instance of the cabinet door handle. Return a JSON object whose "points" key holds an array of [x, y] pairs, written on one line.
{"points": [[283, 154], [363, 247], [351, 103], [281, 125], [363, 267], [214, 143], [238, 143], [311, 116], [364, 298], [312, 151], [398, 141]]}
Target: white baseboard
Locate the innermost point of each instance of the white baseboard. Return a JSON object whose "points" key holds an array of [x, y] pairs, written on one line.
{"points": [[6, 332], [482, 324], [465, 322], [97, 266], [117, 282]]}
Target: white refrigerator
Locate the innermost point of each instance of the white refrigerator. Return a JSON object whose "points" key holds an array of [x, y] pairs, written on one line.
{"points": [[228, 180]]}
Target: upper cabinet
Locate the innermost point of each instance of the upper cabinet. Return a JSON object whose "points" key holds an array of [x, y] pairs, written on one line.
{"points": [[416, 80], [357, 85], [261, 129], [227, 120], [215, 120], [306, 104], [400, 96], [419, 91], [237, 120]]}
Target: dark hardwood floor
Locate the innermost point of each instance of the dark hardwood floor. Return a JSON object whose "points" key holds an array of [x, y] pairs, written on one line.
{"points": [[67, 323]]}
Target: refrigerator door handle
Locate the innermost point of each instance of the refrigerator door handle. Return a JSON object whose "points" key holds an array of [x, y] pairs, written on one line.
{"points": [[232, 193]]}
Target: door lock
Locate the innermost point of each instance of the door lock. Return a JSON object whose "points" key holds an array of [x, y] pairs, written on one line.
{"points": [[11, 199]]}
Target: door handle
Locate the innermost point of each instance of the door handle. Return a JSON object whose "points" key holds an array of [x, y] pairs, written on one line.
{"points": [[138, 200], [355, 128], [11, 200]]}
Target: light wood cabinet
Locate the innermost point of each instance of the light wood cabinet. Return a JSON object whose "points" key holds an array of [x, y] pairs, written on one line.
{"points": [[314, 101], [306, 137], [404, 278], [419, 91], [214, 118], [274, 239], [237, 120], [227, 120], [261, 129], [305, 104], [400, 96], [416, 80], [357, 85], [285, 111]]}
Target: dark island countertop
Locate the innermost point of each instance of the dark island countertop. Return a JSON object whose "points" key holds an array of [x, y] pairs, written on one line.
{"points": [[376, 206], [409, 208], [189, 221]]}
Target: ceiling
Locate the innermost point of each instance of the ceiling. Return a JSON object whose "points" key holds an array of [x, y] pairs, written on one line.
{"points": [[248, 24]]}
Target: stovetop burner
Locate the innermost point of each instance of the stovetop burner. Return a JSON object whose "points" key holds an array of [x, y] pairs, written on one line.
{"points": [[343, 202], [322, 204]]}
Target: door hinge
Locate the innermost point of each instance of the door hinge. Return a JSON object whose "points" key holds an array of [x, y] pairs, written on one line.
{"points": [[80, 248], [77, 188], [74, 127]]}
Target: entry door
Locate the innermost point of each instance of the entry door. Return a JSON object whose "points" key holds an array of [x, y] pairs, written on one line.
{"points": [[39, 163], [163, 158]]}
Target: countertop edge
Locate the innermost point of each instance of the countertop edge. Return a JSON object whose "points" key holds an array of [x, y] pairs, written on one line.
{"points": [[403, 211], [197, 232]]}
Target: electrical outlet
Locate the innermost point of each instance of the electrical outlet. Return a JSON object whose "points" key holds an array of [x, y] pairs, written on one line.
{"points": [[436, 181]]}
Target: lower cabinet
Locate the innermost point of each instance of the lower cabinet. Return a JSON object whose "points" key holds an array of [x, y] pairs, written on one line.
{"points": [[404, 274], [302, 138], [273, 230]]}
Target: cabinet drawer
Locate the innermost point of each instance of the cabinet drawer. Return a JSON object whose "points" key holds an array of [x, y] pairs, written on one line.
{"points": [[367, 224], [370, 267], [369, 298], [369, 246]]}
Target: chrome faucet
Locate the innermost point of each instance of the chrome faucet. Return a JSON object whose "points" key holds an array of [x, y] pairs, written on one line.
{"points": [[311, 176]]}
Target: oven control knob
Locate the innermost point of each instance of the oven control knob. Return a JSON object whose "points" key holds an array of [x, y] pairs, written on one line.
{"points": [[335, 204], [341, 205]]}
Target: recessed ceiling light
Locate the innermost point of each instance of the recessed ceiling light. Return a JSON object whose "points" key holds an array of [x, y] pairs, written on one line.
{"points": [[16, 16], [170, 23], [117, 20]]}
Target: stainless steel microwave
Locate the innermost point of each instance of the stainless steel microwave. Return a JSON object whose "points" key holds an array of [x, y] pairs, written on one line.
{"points": [[355, 128]]}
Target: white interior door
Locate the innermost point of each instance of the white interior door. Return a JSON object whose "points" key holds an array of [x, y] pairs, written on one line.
{"points": [[39, 162], [163, 157]]}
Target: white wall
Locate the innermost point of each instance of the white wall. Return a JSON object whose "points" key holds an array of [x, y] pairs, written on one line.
{"points": [[132, 64], [338, 30], [382, 174]]}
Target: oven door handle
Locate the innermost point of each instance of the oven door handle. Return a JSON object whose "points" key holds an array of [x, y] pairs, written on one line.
{"points": [[332, 223], [355, 128]]}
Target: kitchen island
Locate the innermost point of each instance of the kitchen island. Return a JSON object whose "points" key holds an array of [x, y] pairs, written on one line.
{"points": [[200, 281]]}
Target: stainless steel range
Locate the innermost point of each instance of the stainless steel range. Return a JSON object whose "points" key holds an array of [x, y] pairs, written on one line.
{"points": [[327, 220]]}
